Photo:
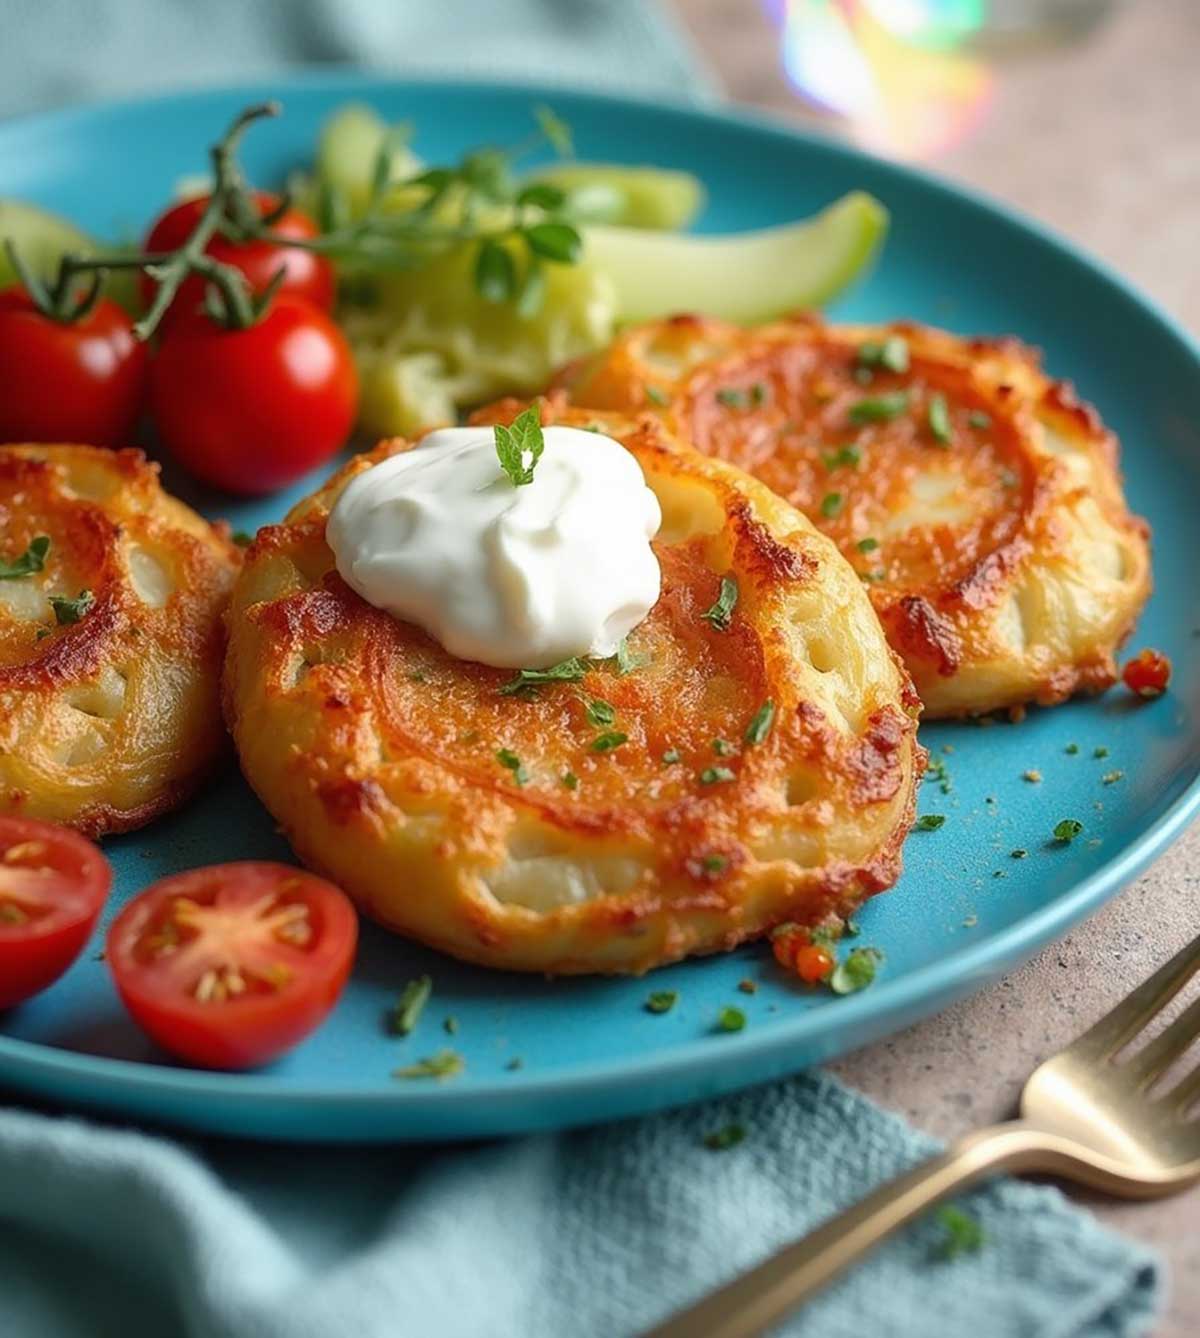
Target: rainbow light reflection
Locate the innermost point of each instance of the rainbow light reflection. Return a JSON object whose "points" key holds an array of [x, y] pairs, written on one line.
{"points": [[891, 68]]}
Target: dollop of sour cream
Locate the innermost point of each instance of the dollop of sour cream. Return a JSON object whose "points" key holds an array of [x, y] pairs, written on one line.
{"points": [[520, 577]]}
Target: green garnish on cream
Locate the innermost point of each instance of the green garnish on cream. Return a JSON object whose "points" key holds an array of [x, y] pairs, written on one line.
{"points": [[514, 444]]}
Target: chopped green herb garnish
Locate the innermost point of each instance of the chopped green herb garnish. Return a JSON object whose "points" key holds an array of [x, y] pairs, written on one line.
{"points": [[867, 545], [720, 615], [732, 399], [714, 863], [852, 929], [1019, 853], [758, 394], [963, 1234], [723, 748], [411, 1004], [727, 1136], [515, 1063], [445, 1064], [670, 757], [600, 713], [629, 660], [977, 418], [41, 633], [1111, 777], [760, 723], [1067, 830], [831, 504], [1102, 751], [523, 439], [930, 822], [731, 1019], [242, 538], [856, 972], [68, 611], [716, 776], [418, 676], [850, 456], [938, 416], [1071, 748], [566, 671], [662, 1001], [570, 780], [511, 762], [656, 396], [451, 1025], [610, 739], [31, 560], [880, 408], [891, 354]]}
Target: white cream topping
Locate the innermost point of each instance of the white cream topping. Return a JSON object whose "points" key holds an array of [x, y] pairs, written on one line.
{"points": [[521, 577]]}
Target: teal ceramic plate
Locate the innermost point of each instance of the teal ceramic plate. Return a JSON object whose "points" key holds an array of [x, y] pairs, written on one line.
{"points": [[964, 911]]}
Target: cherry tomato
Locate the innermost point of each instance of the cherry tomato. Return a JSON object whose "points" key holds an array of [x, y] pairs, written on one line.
{"points": [[251, 410], [232, 965], [53, 883], [83, 382], [308, 275], [794, 949], [1148, 673]]}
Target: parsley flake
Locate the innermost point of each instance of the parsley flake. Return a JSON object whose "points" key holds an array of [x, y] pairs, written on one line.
{"points": [[656, 396], [760, 723], [723, 748], [850, 456], [720, 615], [670, 757], [831, 504], [451, 1025], [963, 1234], [732, 399], [714, 863], [1102, 751], [1019, 853], [570, 780], [978, 419], [629, 660], [930, 822], [411, 1004], [731, 1019], [68, 611], [880, 408], [758, 394], [566, 671], [600, 713], [867, 545], [513, 444], [891, 354], [727, 1136], [31, 560], [938, 417], [661, 1001], [1067, 830], [242, 538], [1071, 748], [716, 776], [856, 972], [511, 762], [444, 1064], [610, 739]]}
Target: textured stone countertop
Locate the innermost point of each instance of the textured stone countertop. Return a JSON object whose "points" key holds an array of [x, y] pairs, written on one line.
{"points": [[1100, 141]]}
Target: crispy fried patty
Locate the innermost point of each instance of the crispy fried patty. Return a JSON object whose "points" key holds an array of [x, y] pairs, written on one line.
{"points": [[110, 654], [715, 780], [978, 500]]}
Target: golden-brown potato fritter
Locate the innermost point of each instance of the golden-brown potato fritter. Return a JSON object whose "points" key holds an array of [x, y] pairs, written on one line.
{"points": [[111, 638], [979, 501], [715, 780]]}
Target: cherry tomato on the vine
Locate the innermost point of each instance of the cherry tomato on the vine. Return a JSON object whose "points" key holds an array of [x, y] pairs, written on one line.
{"points": [[82, 381], [251, 410], [231, 965], [307, 275], [53, 883], [1148, 673]]}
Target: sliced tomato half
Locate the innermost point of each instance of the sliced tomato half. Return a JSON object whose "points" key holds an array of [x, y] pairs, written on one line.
{"points": [[53, 883], [231, 965]]}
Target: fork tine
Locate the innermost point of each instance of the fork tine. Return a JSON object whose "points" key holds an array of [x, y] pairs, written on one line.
{"points": [[1154, 1058], [1185, 1093], [1121, 1025]]}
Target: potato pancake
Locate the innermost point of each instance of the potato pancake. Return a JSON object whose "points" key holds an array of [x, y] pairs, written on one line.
{"points": [[748, 758], [111, 638], [979, 501]]}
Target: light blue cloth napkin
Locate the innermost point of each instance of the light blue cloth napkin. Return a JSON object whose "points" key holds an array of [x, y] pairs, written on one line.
{"points": [[597, 1234], [110, 1234]]}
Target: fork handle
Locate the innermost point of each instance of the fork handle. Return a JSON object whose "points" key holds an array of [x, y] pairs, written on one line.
{"points": [[755, 1301]]}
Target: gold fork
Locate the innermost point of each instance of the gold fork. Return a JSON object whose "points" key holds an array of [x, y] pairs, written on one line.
{"points": [[1084, 1115]]}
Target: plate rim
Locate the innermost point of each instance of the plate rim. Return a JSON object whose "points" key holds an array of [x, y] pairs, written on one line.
{"points": [[948, 977]]}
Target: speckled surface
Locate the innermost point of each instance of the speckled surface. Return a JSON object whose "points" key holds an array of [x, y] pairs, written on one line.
{"points": [[1100, 141]]}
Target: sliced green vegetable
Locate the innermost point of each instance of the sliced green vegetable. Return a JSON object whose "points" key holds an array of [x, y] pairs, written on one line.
{"points": [[44, 238], [749, 276], [629, 197]]}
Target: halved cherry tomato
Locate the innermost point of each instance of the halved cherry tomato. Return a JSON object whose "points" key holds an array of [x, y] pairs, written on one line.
{"points": [[232, 965], [79, 382], [53, 883], [253, 409], [1148, 673], [306, 275]]}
